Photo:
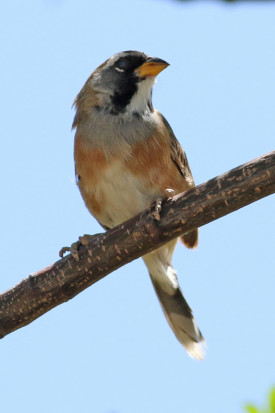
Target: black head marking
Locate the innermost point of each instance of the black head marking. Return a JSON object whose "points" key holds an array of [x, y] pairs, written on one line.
{"points": [[126, 79]]}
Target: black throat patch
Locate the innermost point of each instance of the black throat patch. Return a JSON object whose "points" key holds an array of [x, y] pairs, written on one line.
{"points": [[122, 97]]}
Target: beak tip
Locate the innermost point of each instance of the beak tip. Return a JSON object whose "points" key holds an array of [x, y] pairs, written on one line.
{"points": [[157, 60]]}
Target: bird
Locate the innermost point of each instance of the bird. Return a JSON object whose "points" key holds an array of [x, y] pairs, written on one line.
{"points": [[127, 157]]}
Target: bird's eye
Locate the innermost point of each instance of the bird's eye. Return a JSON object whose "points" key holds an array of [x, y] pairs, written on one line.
{"points": [[121, 65]]}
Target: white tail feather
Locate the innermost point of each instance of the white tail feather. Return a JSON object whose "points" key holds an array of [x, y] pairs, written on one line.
{"points": [[177, 311]]}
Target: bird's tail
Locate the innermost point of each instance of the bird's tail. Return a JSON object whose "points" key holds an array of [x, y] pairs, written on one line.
{"points": [[177, 311]]}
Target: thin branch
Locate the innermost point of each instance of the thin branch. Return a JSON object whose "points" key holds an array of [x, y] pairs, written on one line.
{"points": [[60, 282]]}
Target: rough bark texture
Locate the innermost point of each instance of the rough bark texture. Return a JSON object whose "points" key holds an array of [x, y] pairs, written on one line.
{"points": [[42, 291]]}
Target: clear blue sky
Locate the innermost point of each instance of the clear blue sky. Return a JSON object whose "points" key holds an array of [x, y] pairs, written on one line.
{"points": [[110, 350]]}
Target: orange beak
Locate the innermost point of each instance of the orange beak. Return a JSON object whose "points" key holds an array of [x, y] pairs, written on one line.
{"points": [[152, 67]]}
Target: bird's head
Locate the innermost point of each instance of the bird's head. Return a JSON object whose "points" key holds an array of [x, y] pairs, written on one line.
{"points": [[124, 82]]}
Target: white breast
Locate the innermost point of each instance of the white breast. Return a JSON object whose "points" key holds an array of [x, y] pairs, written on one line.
{"points": [[122, 195]]}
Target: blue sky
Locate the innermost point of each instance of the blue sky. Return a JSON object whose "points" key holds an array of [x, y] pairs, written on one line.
{"points": [[110, 350]]}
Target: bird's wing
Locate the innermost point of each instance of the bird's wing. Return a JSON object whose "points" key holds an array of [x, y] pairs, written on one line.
{"points": [[179, 157]]}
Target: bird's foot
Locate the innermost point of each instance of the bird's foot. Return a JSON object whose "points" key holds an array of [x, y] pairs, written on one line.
{"points": [[74, 248], [157, 205], [169, 193]]}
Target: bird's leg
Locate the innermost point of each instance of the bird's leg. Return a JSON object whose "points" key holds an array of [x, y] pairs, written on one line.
{"points": [[74, 248], [168, 193]]}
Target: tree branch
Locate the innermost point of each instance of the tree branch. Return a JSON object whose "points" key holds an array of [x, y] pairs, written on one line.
{"points": [[60, 282]]}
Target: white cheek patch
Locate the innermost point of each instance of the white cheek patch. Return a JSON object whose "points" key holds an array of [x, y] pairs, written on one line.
{"points": [[140, 100]]}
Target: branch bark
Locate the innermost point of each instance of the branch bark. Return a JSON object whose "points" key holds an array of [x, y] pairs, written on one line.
{"points": [[44, 290]]}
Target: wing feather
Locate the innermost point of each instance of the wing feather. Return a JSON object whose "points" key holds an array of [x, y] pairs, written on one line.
{"points": [[179, 157]]}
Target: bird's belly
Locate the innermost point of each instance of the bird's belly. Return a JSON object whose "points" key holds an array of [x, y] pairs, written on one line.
{"points": [[117, 196]]}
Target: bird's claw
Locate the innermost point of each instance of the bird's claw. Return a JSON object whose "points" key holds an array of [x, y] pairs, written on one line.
{"points": [[74, 248], [169, 193], [157, 205]]}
